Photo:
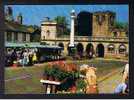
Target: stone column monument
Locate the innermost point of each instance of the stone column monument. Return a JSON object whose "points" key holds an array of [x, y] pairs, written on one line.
{"points": [[71, 44], [73, 16]]}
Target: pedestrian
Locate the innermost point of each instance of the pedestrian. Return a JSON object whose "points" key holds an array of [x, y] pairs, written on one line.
{"points": [[8, 58], [34, 59], [21, 57], [122, 88], [30, 57], [14, 56], [25, 58]]}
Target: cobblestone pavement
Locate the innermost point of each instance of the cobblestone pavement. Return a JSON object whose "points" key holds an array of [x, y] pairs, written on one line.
{"points": [[109, 84]]}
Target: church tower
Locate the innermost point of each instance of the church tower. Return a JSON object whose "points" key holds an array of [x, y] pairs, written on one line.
{"points": [[102, 23]]}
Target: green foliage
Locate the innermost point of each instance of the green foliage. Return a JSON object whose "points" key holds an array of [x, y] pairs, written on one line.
{"points": [[61, 20], [56, 72], [121, 25], [81, 84], [35, 38], [67, 31], [34, 27], [74, 50]]}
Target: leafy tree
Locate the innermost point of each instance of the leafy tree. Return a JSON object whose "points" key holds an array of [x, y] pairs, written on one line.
{"points": [[61, 20], [35, 36], [121, 25]]}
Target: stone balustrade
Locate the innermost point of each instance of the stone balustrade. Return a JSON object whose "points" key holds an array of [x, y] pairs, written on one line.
{"points": [[89, 38]]}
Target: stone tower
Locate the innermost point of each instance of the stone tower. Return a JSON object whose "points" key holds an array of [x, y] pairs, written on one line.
{"points": [[102, 23], [50, 29], [20, 18]]}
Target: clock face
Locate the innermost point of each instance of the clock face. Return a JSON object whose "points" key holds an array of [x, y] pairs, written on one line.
{"points": [[100, 19]]}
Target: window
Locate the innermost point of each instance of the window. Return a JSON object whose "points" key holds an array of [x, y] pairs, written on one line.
{"points": [[48, 33], [43, 37], [24, 36], [112, 20], [115, 34], [100, 19], [15, 36], [9, 36], [122, 49], [111, 48]]}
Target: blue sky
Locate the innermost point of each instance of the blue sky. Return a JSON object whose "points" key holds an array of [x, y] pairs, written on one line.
{"points": [[34, 14]]}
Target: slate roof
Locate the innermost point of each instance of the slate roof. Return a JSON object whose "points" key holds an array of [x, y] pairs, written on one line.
{"points": [[16, 27]]}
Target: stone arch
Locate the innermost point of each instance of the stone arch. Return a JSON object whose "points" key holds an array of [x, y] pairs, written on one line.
{"points": [[115, 34], [61, 45], [122, 49], [111, 48], [69, 52], [80, 49], [90, 50], [100, 50]]}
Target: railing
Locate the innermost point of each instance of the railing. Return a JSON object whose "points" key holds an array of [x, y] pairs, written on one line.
{"points": [[90, 38]]}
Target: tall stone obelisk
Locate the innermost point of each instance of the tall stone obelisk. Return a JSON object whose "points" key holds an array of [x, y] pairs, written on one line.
{"points": [[73, 16]]}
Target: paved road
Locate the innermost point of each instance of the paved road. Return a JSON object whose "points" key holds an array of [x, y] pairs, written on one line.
{"points": [[109, 84]]}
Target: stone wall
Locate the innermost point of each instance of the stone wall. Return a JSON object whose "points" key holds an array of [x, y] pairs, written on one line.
{"points": [[95, 42], [102, 23], [48, 31]]}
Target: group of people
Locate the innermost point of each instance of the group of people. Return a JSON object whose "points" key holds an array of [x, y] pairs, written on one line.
{"points": [[22, 57], [123, 87]]}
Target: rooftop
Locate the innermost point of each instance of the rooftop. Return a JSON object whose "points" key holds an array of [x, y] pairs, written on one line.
{"points": [[16, 27]]}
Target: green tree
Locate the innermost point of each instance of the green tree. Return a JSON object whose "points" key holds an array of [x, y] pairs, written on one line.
{"points": [[121, 25], [61, 20], [35, 33]]}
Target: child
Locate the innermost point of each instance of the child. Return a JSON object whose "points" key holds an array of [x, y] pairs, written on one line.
{"points": [[34, 59]]}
